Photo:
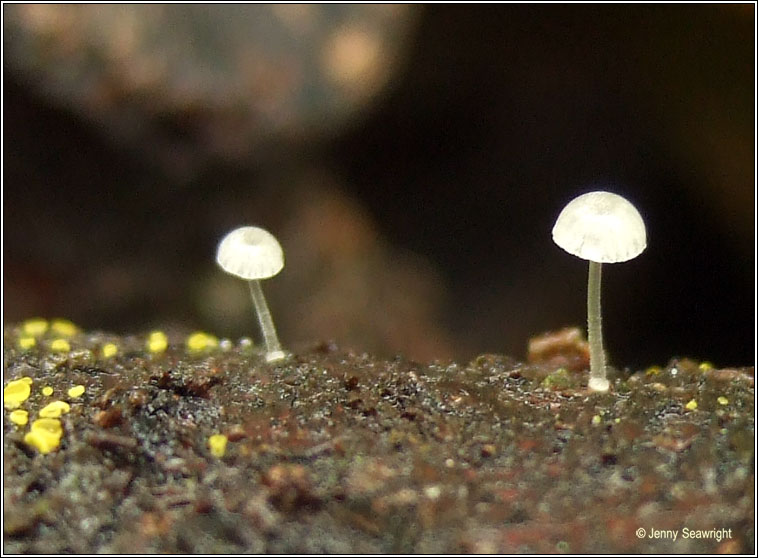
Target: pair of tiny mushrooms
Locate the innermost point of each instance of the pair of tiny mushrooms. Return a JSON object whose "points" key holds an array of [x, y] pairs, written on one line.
{"points": [[598, 226]]}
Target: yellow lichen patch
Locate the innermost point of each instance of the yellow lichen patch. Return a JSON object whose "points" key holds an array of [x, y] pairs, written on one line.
{"points": [[51, 425], [76, 391], [43, 441], [64, 327], [596, 420], [34, 327], [705, 366], [691, 406], [55, 409], [27, 380], [45, 434], [109, 350], [157, 342], [47, 391], [722, 400], [16, 392], [19, 416], [653, 371], [60, 346], [26, 342], [200, 341], [217, 445]]}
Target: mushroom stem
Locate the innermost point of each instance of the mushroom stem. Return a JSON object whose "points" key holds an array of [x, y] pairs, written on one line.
{"points": [[598, 381], [273, 348]]}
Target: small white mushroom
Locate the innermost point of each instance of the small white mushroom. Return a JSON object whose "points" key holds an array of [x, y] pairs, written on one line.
{"points": [[252, 253], [603, 228]]}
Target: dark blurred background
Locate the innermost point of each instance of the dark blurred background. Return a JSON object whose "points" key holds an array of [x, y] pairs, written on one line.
{"points": [[411, 160]]}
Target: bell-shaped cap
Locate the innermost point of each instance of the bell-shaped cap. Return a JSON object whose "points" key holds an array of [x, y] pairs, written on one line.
{"points": [[250, 253], [601, 227]]}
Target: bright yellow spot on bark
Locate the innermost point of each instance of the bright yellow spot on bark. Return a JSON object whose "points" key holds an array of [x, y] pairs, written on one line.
{"points": [[64, 327], [653, 371], [705, 366], [157, 342], [51, 425], [596, 420], [45, 434], [722, 400], [26, 342], [34, 327], [76, 391], [200, 341], [16, 392], [55, 409], [19, 416], [109, 350], [43, 441], [217, 445], [691, 406], [47, 391], [27, 380], [60, 346]]}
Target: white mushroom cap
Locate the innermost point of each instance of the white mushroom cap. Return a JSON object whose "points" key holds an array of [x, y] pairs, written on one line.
{"points": [[601, 227], [250, 253]]}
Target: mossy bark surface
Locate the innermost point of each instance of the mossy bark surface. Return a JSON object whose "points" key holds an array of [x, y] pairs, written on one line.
{"points": [[334, 451]]}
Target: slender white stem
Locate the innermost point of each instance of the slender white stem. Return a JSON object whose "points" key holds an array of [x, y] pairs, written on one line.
{"points": [[598, 381], [273, 348]]}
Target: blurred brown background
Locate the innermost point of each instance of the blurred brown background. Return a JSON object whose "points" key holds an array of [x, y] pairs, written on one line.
{"points": [[411, 160]]}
